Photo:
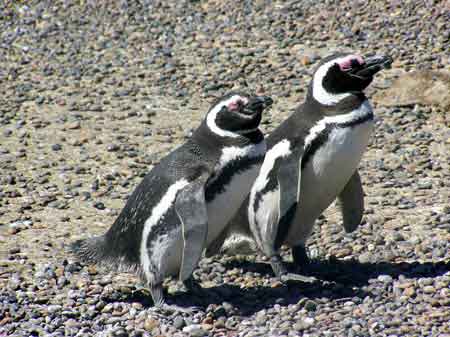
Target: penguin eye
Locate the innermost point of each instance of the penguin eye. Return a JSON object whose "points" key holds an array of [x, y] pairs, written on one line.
{"points": [[345, 66], [354, 63]]}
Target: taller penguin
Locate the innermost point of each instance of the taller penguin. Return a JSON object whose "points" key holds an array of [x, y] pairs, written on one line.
{"points": [[312, 159], [187, 199]]}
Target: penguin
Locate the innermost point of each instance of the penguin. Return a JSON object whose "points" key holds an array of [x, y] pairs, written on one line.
{"points": [[312, 160], [186, 200]]}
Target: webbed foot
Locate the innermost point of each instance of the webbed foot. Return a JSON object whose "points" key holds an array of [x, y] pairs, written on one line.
{"points": [[283, 275], [161, 305]]}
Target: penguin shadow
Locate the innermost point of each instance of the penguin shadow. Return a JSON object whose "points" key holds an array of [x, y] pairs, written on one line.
{"points": [[338, 280], [245, 301], [351, 272]]}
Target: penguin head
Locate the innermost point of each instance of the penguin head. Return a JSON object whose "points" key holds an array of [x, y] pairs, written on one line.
{"points": [[237, 113], [340, 75]]}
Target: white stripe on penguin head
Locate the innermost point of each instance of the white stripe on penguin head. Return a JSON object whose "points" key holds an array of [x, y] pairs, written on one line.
{"points": [[319, 92], [212, 115]]}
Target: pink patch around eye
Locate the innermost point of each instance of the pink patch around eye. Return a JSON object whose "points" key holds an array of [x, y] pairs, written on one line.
{"points": [[235, 104], [346, 62], [232, 106]]}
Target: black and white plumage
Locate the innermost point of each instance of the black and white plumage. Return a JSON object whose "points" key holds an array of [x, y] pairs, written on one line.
{"points": [[312, 159], [187, 199]]}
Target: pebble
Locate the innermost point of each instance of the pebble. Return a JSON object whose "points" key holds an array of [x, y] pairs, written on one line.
{"points": [[56, 147], [99, 205], [385, 278], [194, 330], [150, 324], [179, 322]]}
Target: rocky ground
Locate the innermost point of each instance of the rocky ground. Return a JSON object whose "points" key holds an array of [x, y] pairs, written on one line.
{"points": [[93, 93]]}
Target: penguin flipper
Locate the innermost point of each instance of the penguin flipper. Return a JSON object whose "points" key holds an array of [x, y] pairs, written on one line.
{"points": [[274, 197], [289, 183], [351, 200], [190, 206]]}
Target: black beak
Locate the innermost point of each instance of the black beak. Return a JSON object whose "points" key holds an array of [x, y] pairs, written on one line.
{"points": [[372, 65], [265, 100], [258, 104]]}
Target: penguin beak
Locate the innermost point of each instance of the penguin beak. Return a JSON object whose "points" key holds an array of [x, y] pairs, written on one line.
{"points": [[371, 66], [257, 104], [265, 101]]}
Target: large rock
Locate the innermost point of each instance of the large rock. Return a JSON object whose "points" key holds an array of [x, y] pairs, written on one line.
{"points": [[418, 87]]}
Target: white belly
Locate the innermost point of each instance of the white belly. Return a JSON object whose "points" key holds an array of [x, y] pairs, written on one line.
{"points": [[325, 176], [225, 205], [220, 210]]}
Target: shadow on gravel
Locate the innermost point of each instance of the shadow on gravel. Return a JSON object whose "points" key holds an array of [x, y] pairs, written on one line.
{"points": [[354, 273], [248, 301], [338, 281]]}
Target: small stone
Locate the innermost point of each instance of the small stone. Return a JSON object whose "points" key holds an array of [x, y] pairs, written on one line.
{"points": [[261, 318], [310, 305], [208, 320], [120, 333], [74, 125], [299, 326], [364, 258], [429, 290], [151, 324], [13, 251], [56, 147], [73, 294], [107, 308], [308, 321], [305, 60], [99, 205], [194, 330], [219, 324], [385, 278], [179, 322], [53, 308], [113, 148], [409, 292]]}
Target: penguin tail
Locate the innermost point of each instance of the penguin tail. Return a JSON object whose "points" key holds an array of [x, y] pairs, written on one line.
{"points": [[89, 250]]}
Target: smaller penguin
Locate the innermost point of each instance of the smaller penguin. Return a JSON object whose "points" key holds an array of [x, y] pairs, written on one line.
{"points": [[312, 159], [187, 199]]}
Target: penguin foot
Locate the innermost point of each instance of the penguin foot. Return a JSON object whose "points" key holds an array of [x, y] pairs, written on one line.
{"points": [[296, 277], [300, 256], [191, 285], [277, 266], [283, 275], [173, 308], [161, 305]]}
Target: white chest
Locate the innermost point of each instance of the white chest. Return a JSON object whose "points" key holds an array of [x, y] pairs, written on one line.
{"points": [[224, 205], [220, 211], [326, 174]]}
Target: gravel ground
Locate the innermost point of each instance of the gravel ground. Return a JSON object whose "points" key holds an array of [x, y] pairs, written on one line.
{"points": [[92, 93]]}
